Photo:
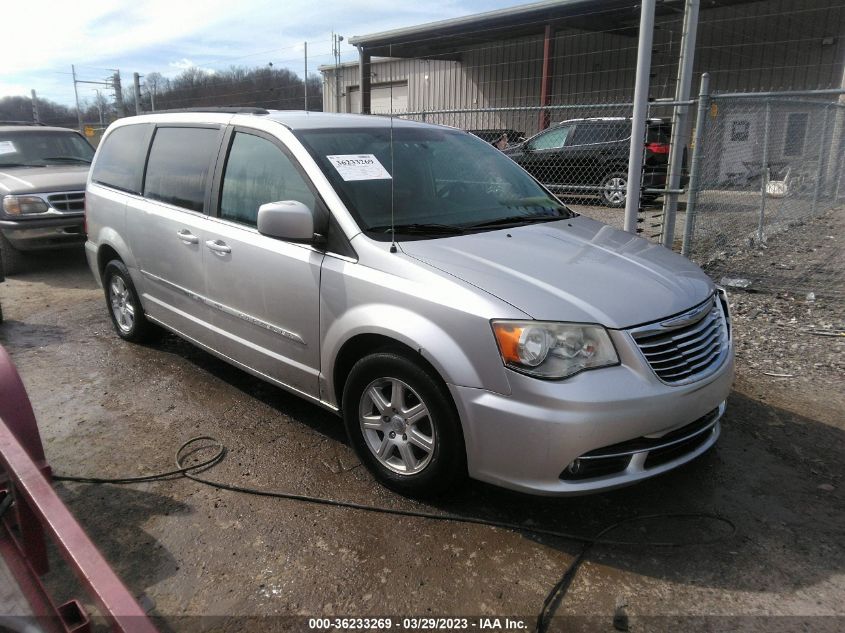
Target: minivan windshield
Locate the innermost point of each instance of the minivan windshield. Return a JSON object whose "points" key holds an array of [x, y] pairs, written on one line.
{"points": [[39, 149], [442, 181]]}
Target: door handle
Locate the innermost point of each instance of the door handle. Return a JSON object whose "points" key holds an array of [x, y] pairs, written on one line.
{"points": [[186, 236], [218, 246]]}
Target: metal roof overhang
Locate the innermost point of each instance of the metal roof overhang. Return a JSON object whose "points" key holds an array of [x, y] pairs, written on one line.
{"points": [[447, 39]]}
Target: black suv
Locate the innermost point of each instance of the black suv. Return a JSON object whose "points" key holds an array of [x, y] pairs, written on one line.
{"points": [[590, 157]]}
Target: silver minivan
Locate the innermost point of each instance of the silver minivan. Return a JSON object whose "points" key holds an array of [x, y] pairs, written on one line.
{"points": [[415, 280]]}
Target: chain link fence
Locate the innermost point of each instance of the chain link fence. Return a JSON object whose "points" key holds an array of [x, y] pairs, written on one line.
{"points": [[770, 167], [579, 151], [766, 165]]}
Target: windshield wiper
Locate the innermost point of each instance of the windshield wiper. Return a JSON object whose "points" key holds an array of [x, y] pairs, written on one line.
{"points": [[419, 229], [516, 219], [4, 165], [75, 159]]}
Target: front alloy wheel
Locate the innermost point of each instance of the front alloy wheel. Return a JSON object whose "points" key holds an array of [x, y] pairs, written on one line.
{"points": [[397, 426], [403, 425]]}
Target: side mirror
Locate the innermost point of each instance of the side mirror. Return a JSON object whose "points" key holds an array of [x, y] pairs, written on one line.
{"points": [[287, 220]]}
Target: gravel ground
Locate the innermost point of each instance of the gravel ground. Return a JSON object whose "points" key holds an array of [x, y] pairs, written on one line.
{"points": [[109, 408]]}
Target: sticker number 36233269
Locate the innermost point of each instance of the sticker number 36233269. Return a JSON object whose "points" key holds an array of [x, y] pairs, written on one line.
{"points": [[358, 167]]}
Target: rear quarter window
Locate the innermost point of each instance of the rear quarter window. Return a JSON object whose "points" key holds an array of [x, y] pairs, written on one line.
{"points": [[120, 161]]}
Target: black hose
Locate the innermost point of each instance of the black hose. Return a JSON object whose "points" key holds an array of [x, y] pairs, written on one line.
{"points": [[553, 598]]}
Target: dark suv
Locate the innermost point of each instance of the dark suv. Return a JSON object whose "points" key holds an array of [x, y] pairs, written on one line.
{"points": [[43, 171], [590, 157]]}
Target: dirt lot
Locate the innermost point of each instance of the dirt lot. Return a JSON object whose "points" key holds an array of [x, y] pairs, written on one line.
{"points": [[108, 408]]}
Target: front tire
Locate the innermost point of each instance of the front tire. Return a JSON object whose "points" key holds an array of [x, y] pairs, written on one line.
{"points": [[614, 189], [12, 260], [125, 309], [403, 426]]}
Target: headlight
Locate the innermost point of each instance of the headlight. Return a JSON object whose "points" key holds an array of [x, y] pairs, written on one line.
{"points": [[553, 350], [23, 205]]}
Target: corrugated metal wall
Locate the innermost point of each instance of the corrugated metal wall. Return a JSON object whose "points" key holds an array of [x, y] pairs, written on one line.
{"points": [[757, 46]]}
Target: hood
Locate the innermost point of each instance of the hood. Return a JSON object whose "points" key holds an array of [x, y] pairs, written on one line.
{"points": [[571, 270], [43, 179]]}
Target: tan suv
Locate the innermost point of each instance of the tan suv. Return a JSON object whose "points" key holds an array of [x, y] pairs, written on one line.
{"points": [[42, 185]]}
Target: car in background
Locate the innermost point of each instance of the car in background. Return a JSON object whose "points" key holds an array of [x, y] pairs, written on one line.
{"points": [[43, 171], [491, 135], [590, 157]]}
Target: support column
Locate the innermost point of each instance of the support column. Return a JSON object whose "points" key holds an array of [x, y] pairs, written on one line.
{"points": [[641, 84], [695, 163], [546, 81], [680, 120], [364, 78]]}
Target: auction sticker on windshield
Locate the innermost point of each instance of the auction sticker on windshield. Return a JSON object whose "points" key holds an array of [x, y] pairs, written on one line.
{"points": [[358, 167], [7, 147]]}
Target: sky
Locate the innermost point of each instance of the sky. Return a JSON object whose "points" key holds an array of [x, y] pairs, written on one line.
{"points": [[43, 38]]}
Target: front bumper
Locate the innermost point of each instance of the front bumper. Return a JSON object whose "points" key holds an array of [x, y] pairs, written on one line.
{"points": [[38, 234], [524, 441]]}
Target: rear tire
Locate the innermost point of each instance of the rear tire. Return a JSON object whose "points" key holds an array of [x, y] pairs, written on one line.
{"points": [[614, 189], [13, 260], [127, 315], [403, 426]]}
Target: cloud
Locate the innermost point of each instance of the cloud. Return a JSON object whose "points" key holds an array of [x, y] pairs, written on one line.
{"points": [[184, 64], [13, 90], [167, 37]]}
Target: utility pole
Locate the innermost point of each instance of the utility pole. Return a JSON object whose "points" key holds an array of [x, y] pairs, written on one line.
{"points": [[100, 107], [336, 40], [306, 77], [136, 78], [35, 117], [152, 98], [76, 95], [641, 82], [118, 95]]}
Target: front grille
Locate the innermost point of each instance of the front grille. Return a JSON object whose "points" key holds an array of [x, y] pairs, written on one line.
{"points": [[687, 347], [68, 202]]}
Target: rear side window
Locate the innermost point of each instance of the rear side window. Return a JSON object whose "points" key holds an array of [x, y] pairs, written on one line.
{"points": [[258, 172], [179, 165], [120, 163], [553, 139], [591, 133]]}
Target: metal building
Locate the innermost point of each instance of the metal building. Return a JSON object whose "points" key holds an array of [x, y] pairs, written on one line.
{"points": [[585, 52]]}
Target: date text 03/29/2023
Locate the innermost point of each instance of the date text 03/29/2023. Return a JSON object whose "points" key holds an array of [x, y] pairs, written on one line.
{"points": [[418, 624]]}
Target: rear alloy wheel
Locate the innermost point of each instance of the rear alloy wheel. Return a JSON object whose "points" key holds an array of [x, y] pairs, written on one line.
{"points": [[125, 309], [614, 189], [403, 426]]}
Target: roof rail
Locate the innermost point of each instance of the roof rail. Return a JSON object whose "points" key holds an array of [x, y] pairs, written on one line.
{"points": [[217, 109], [20, 123]]}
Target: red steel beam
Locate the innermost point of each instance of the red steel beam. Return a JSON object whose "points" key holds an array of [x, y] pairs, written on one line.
{"points": [[26, 475], [546, 81], [34, 490]]}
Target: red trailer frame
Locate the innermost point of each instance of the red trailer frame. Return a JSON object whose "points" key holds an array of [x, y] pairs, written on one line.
{"points": [[38, 513]]}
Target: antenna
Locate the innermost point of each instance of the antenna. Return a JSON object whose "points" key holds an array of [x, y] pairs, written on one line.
{"points": [[392, 173]]}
